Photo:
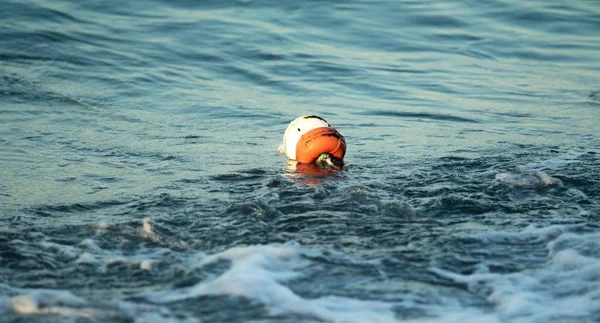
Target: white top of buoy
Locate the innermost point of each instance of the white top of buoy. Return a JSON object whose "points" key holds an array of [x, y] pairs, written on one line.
{"points": [[295, 130]]}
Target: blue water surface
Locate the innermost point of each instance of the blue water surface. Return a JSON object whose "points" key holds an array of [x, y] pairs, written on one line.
{"points": [[140, 179]]}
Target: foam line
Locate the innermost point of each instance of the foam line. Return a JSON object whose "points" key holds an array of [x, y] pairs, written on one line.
{"points": [[258, 273]]}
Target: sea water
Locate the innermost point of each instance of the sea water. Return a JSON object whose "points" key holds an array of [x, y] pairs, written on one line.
{"points": [[139, 177]]}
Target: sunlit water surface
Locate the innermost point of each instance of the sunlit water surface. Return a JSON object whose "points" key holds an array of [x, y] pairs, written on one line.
{"points": [[139, 178]]}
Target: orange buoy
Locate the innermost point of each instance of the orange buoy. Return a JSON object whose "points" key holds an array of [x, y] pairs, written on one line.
{"points": [[311, 139], [322, 140]]}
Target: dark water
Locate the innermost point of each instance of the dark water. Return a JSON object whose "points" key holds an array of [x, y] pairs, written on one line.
{"points": [[139, 178]]}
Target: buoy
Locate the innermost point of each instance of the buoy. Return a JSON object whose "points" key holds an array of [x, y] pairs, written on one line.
{"points": [[309, 139]]}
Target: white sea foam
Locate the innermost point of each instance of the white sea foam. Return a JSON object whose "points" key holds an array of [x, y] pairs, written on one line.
{"points": [[529, 179], [566, 288], [259, 273], [48, 302]]}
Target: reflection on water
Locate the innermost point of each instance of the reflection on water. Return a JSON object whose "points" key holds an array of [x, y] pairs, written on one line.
{"points": [[312, 173]]}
